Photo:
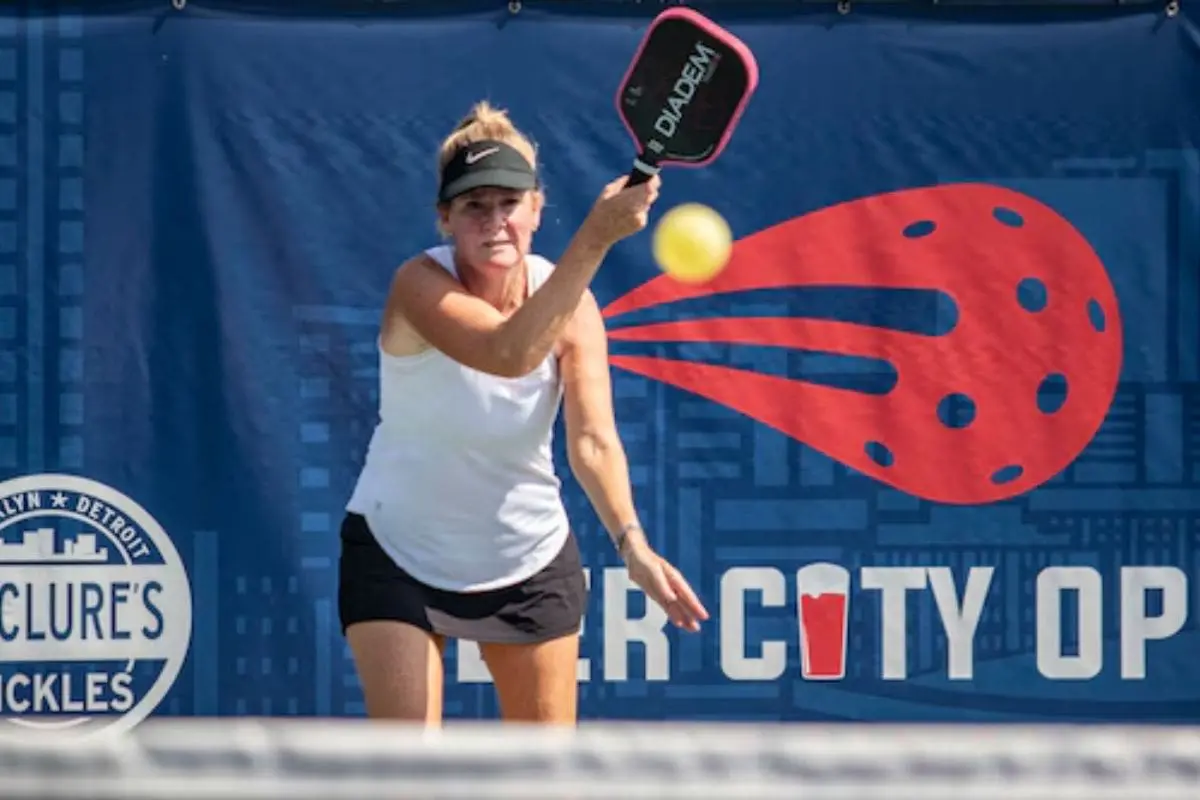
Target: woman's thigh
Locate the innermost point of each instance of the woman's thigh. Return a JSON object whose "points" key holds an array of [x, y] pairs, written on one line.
{"points": [[400, 669], [536, 682]]}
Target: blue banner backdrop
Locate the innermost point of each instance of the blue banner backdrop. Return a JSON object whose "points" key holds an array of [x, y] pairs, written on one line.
{"points": [[200, 211]]}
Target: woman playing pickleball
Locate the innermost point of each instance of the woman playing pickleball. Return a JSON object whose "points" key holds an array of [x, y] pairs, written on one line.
{"points": [[456, 527]]}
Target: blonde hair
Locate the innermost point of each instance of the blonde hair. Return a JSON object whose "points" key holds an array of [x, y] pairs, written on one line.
{"points": [[486, 122]]}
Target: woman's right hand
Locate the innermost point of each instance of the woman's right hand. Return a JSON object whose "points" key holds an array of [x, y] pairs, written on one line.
{"points": [[621, 211]]}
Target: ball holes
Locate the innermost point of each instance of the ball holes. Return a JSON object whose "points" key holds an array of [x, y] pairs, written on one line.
{"points": [[920, 228], [1032, 295], [1007, 474], [1006, 216], [956, 410], [1096, 315], [1052, 393], [879, 453]]}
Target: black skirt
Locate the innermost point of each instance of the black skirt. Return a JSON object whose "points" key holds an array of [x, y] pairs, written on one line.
{"points": [[545, 606]]}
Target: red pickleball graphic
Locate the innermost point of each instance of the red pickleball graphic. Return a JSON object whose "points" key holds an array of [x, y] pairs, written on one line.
{"points": [[983, 246]]}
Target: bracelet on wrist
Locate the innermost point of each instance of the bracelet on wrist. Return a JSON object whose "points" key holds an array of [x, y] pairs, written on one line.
{"points": [[622, 536]]}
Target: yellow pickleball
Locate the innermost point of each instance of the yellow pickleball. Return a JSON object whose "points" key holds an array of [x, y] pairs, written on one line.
{"points": [[692, 243]]}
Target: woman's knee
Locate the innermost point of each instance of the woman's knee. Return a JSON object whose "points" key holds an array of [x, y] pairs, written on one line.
{"points": [[400, 669]]}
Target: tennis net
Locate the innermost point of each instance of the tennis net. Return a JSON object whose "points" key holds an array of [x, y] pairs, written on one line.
{"points": [[323, 759]]}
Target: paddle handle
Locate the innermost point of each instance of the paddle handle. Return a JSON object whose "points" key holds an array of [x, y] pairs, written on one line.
{"points": [[644, 168]]}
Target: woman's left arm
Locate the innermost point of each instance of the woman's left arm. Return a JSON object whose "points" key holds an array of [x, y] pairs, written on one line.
{"points": [[597, 459]]}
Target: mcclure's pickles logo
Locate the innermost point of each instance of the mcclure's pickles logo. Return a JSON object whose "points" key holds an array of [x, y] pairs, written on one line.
{"points": [[1028, 365], [95, 607]]}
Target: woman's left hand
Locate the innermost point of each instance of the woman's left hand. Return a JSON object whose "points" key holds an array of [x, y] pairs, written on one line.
{"points": [[666, 586]]}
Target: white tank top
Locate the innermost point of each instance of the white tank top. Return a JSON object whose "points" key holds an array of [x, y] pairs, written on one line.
{"points": [[459, 486]]}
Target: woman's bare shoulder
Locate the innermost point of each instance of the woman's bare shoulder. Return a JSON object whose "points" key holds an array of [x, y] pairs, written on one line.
{"points": [[416, 276]]}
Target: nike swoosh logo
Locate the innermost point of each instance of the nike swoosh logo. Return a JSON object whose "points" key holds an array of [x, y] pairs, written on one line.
{"points": [[473, 157]]}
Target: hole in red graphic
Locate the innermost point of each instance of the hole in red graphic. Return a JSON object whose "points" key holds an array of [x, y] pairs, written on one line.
{"points": [[956, 410], [1006, 216], [1096, 315], [1052, 393], [920, 228], [879, 453], [1007, 474], [1032, 295]]}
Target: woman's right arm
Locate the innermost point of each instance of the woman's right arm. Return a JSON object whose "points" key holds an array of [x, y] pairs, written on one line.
{"points": [[475, 333]]}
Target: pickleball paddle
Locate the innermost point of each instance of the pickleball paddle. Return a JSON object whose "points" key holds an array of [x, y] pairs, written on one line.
{"points": [[684, 91]]}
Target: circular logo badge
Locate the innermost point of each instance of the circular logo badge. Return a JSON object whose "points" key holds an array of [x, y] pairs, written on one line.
{"points": [[95, 607]]}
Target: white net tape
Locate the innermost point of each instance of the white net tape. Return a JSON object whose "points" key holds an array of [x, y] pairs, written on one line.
{"points": [[323, 759]]}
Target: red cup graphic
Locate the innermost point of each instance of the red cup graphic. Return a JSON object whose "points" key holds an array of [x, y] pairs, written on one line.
{"points": [[823, 592]]}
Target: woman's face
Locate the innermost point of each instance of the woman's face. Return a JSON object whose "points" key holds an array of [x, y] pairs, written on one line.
{"points": [[492, 227]]}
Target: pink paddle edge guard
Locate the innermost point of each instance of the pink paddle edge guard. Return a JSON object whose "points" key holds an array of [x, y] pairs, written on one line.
{"points": [[717, 32]]}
